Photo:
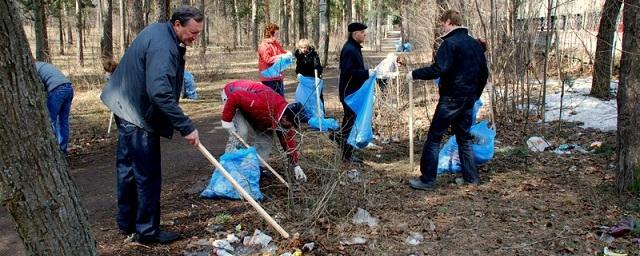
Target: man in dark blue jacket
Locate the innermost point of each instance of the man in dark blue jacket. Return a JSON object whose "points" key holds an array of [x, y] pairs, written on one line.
{"points": [[143, 94], [462, 67], [352, 75]]}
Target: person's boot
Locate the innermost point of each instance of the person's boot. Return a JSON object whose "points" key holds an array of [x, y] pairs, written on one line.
{"points": [[162, 237], [418, 184]]}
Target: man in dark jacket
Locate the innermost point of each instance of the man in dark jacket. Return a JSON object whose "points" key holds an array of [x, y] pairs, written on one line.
{"points": [[143, 93], [352, 75], [462, 67]]}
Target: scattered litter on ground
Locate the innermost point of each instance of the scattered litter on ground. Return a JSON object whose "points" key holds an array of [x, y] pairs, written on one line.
{"points": [[414, 239], [608, 252], [362, 216], [354, 241], [567, 149], [223, 244], [622, 228], [596, 144], [537, 144], [308, 247], [258, 239], [354, 176]]}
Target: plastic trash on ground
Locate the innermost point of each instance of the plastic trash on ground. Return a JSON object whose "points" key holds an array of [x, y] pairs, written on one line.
{"points": [[414, 238], [354, 241], [244, 167], [362, 216], [362, 102], [537, 144], [258, 239]]}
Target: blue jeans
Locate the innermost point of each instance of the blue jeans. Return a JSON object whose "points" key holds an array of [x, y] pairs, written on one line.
{"points": [[276, 85], [457, 113], [139, 179], [59, 105]]}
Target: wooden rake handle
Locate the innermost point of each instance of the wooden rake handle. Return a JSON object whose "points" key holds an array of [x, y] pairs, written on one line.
{"points": [[242, 192]]}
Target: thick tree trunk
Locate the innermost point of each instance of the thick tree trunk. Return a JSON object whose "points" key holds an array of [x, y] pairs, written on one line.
{"points": [[628, 150], [323, 47], [42, 41], [606, 33], [162, 10], [35, 185], [135, 18], [79, 44], [106, 41]]}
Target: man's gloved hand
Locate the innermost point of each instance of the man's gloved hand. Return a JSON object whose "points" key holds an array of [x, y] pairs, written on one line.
{"points": [[299, 75], [371, 72], [409, 76], [228, 126], [299, 174]]}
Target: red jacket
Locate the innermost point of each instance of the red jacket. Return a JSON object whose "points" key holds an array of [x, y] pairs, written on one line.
{"points": [[268, 52], [262, 107]]}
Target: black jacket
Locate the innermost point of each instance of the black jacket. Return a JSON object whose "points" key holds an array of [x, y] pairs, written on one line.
{"points": [[145, 87], [352, 71], [307, 63], [461, 65]]}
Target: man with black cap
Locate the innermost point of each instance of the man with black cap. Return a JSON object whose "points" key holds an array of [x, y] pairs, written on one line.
{"points": [[254, 111], [352, 75]]}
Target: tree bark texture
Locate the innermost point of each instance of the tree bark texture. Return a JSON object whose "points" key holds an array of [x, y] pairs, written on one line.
{"points": [[254, 24], [79, 43], [42, 42], [323, 47], [285, 22], [204, 34], [628, 149], [162, 10], [606, 33], [35, 185], [123, 27], [106, 41], [302, 29], [136, 22]]}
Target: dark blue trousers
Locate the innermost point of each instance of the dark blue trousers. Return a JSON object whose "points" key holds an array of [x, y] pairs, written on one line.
{"points": [[457, 113], [276, 85], [139, 179]]}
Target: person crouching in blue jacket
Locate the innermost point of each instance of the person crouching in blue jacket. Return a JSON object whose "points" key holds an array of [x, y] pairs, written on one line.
{"points": [[59, 97], [462, 67]]}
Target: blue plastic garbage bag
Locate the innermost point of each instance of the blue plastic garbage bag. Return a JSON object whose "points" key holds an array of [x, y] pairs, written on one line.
{"points": [[280, 65], [306, 95], [407, 47], [244, 167], [361, 102], [190, 86], [328, 124], [476, 107], [482, 147]]}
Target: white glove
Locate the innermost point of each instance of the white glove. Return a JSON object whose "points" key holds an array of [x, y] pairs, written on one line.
{"points": [[372, 72], [299, 76], [409, 76], [229, 126], [299, 174]]}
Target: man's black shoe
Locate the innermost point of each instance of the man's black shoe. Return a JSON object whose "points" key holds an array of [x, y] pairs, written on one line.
{"points": [[352, 159], [162, 237], [126, 231], [418, 184]]}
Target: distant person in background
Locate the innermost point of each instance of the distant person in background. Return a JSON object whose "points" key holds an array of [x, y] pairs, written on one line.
{"points": [[308, 61], [189, 91], [59, 97], [269, 51], [109, 66]]}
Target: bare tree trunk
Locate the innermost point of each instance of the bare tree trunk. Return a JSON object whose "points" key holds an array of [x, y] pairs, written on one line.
{"points": [[254, 24], [352, 10], [302, 29], [628, 149], [135, 21], [35, 185], [315, 22], [203, 38], [606, 33], [285, 22], [42, 41], [123, 28], [185, 2], [60, 28], [293, 22], [106, 41], [549, 31], [324, 30], [162, 10], [99, 15], [80, 45], [146, 7], [236, 25], [379, 10], [69, 24], [267, 11]]}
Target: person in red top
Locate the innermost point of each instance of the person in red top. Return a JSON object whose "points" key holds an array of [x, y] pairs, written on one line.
{"points": [[269, 51], [254, 111]]}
